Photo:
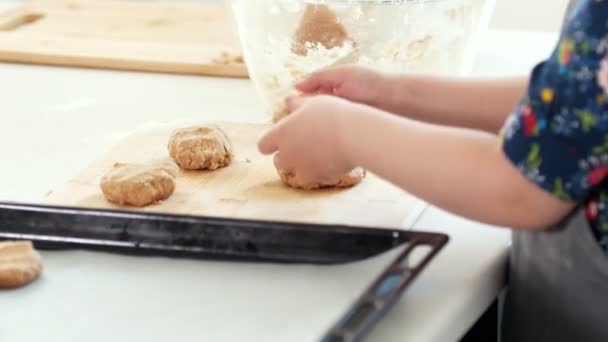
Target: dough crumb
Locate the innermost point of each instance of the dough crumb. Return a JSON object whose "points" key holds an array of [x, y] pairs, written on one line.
{"points": [[201, 148], [280, 111], [139, 185], [20, 264]]}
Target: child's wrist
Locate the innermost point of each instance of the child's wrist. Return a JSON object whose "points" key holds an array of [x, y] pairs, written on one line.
{"points": [[384, 90], [394, 92], [342, 124], [348, 130]]}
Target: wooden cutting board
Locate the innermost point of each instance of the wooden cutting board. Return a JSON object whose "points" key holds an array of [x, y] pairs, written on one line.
{"points": [[249, 188], [181, 38]]}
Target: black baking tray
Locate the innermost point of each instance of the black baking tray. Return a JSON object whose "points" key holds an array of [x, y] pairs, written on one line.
{"points": [[154, 234]]}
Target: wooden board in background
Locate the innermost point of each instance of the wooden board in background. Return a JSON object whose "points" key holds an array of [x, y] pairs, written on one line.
{"points": [[181, 38], [249, 188]]}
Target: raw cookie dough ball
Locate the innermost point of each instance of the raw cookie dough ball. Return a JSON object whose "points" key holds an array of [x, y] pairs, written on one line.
{"points": [[319, 25], [139, 184], [349, 180], [201, 147], [20, 264]]}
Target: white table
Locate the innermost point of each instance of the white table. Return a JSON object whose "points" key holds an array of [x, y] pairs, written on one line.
{"points": [[54, 121]]}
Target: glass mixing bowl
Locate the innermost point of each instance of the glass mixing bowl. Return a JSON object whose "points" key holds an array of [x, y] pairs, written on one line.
{"points": [[283, 41]]}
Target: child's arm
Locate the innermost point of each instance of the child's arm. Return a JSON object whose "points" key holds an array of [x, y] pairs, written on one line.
{"points": [[476, 103], [473, 103], [460, 170]]}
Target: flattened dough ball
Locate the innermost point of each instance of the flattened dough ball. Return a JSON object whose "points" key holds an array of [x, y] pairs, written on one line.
{"points": [[201, 148], [348, 180], [139, 185], [20, 264]]}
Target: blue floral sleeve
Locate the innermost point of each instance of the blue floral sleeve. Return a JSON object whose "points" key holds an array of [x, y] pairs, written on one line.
{"points": [[558, 135]]}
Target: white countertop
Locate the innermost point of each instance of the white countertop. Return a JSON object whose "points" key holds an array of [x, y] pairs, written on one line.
{"points": [[54, 121]]}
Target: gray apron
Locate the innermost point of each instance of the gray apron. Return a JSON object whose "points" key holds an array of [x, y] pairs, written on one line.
{"points": [[558, 285]]}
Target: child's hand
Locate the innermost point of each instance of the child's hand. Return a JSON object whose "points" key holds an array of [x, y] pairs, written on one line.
{"points": [[307, 142], [355, 83]]}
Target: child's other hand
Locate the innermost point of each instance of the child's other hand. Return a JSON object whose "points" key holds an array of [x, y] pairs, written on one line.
{"points": [[354, 83], [307, 142]]}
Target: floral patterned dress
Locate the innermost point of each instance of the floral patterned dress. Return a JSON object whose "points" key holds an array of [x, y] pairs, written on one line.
{"points": [[558, 136]]}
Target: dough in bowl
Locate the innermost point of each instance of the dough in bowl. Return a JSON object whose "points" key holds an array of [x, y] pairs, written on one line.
{"points": [[201, 148], [139, 185], [319, 25]]}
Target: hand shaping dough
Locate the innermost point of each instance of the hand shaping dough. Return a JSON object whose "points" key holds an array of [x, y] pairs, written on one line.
{"points": [[20, 264], [319, 25], [200, 148], [289, 178], [349, 180], [139, 184]]}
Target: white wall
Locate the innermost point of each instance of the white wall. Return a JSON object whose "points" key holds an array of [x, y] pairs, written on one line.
{"points": [[529, 15]]}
